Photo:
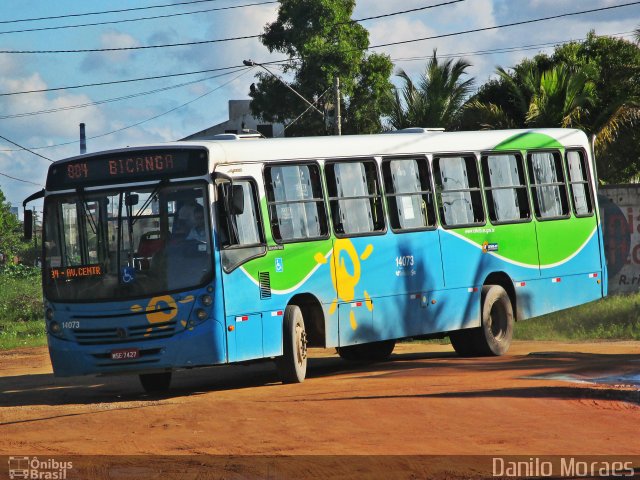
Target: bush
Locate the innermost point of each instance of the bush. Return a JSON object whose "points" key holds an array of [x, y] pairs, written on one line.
{"points": [[18, 271], [21, 314]]}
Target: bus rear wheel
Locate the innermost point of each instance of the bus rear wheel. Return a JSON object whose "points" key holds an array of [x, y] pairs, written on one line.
{"points": [[368, 352], [292, 365], [155, 382], [494, 336]]}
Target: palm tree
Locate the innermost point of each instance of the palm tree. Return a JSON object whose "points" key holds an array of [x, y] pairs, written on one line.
{"points": [[637, 35], [438, 98], [557, 97], [560, 97]]}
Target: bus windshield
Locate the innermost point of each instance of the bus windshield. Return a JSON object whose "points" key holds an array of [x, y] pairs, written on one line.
{"points": [[127, 242]]}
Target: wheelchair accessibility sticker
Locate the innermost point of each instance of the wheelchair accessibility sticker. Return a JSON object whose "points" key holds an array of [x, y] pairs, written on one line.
{"points": [[127, 275], [279, 265]]}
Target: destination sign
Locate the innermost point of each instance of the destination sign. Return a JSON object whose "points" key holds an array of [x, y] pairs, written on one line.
{"points": [[132, 165], [81, 271]]}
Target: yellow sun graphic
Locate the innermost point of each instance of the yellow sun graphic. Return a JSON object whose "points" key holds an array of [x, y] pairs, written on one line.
{"points": [[344, 279]]}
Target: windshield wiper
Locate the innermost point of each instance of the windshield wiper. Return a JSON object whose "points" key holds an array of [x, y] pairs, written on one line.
{"points": [[153, 195], [85, 210]]}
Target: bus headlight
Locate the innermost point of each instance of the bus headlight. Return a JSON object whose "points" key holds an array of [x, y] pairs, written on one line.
{"points": [[55, 328], [48, 314], [201, 314], [207, 300]]}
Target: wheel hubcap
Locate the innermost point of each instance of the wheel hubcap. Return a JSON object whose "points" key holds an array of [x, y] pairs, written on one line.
{"points": [[301, 337]]}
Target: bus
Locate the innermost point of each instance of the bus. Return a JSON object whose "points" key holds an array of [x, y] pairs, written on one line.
{"points": [[190, 254]]}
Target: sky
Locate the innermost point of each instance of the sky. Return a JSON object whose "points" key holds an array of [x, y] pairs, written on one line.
{"points": [[182, 102]]}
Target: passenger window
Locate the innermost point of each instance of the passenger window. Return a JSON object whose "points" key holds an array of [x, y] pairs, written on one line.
{"points": [[295, 201], [354, 196], [579, 183], [548, 189], [459, 198], [408, 193], [239, 233], [505, 188]]}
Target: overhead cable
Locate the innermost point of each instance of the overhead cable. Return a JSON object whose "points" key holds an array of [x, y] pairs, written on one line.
{"points": [[20, 179], [25, 148], [115, 99], [244, 71], [69, 15], [129, 20], [217, 40]]}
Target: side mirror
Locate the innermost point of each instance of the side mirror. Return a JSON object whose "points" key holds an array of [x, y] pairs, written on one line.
{"points": [[28, 224], [132, 199], [236, 204]]}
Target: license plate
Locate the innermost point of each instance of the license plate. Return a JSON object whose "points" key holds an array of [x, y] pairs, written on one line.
{"points": [[125, 354]]}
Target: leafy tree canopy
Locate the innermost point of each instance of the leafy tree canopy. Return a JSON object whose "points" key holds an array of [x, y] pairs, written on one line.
{"points": [[10, 229], [322, 43], [593, 85]]}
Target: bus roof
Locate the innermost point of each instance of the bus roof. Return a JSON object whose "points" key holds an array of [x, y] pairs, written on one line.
{"points": [[300, 148], [238, 150]]}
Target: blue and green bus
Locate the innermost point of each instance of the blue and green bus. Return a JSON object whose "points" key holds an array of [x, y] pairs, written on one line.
{"points": [[234, 249]]}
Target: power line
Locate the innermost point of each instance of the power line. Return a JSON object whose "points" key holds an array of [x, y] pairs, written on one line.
{"points": [[287, 60], [114, 82], [502, 49], [169, 15], [137, 19], [217, 40], [484, 29], [111, 100], [105, 12], [401, 59], [244, 71], [24, 148], [20, 179], [411, 10]]}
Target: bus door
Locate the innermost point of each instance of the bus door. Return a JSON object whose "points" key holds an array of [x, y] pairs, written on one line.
{"points": [[566, 227], [240, 239]]}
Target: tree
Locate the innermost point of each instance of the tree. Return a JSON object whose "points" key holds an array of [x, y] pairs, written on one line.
{"points": [[614, 64], [438, 98], [322, 43], [10, 229], [608, 107], [556, 97]]}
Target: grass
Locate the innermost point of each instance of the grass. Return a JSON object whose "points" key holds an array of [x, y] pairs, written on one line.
{"points": [[21, 314], [612, 318]]}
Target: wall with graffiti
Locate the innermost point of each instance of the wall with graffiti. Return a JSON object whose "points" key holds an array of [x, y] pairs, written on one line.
{"points": [[620, 210]]}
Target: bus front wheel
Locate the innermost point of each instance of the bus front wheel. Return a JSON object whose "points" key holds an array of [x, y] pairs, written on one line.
{"points": [[155, 382], [292, 365], [494, 336]]}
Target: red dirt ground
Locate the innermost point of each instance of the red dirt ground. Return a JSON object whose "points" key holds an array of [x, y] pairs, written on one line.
{"points": [[425, 401]]}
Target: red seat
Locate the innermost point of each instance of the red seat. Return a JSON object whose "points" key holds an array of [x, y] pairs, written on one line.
{"points": [[150, 243]]}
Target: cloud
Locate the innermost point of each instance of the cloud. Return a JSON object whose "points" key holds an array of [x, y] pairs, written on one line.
{"points": [[116, 61]]}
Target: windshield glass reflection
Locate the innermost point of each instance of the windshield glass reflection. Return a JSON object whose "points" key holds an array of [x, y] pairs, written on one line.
{"points": [[126, 243]]}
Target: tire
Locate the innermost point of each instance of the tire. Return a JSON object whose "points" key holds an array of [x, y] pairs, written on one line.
{"points": [[497, 321], [494, 336], [463, 342], [367, 352], [155, 382], [292, 365]]}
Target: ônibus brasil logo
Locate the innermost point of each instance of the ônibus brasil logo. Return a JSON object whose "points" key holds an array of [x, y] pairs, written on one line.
{"points": [[34, 468]]}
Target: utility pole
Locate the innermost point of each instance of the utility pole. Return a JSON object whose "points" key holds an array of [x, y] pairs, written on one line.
{"points": [[336, 95], [83, 140]]}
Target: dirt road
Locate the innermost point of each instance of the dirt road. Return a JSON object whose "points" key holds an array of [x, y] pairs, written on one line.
{"points": [[425, 401]]}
